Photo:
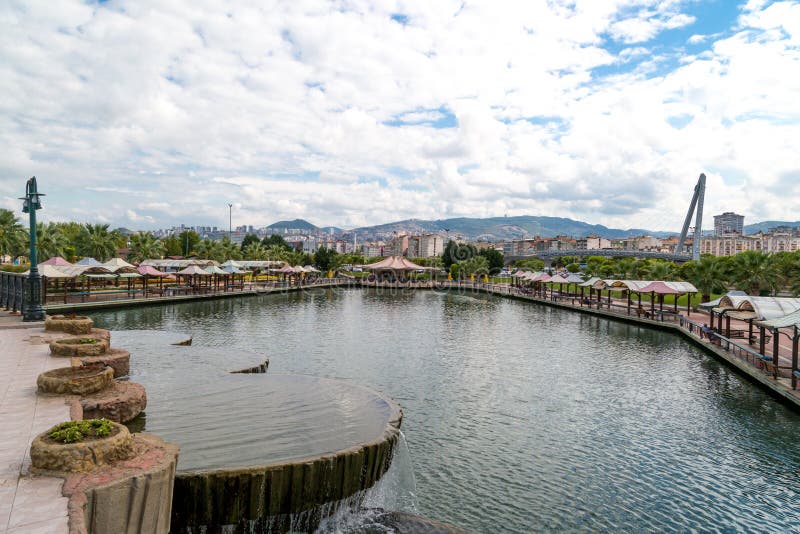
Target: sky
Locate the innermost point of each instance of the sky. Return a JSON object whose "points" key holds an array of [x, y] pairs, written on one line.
{"points": [[148, 114]]}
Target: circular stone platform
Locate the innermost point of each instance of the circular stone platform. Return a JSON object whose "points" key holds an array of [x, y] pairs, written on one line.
{"points": [[75, 380], [119, 403], [117, 359]]}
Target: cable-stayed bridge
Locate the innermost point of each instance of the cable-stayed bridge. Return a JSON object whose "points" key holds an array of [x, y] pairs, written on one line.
{"points": [[695, 208]]}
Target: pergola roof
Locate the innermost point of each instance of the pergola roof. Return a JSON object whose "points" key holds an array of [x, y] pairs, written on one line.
{"points": [[213, 269], [88, 261], [558, 279], [590, 282], [659, 288], [639, 285], [50, 271], [714, 303], [395, 263], [148, 270], [177, 264], [788, 320], [120, 266], [58, 261], [84, 270], [765, 308], [192, 270]]}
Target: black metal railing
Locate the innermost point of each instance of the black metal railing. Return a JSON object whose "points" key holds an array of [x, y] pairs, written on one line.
{"points": [[12, 291]]}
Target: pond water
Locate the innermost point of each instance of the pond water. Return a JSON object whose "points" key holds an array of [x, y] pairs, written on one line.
{"points": [[518, 417]]}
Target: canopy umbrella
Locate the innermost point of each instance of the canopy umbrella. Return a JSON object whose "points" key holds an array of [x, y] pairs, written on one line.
{"points": [[232, 263], [116, 264], [50, 271], [88, 261], [213, 269], [193, 270], [58, 261]]}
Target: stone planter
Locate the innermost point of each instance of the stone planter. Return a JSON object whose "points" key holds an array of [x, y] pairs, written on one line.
{"points": [[75, 347], [75, 380], [117, 359], [120, 403], [50, 455], [77, 324]]}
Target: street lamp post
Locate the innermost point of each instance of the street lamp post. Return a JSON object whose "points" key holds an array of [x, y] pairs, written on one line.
{"points": [[33, 304]]}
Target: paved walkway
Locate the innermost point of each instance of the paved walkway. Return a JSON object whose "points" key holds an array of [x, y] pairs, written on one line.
{"points": [[28, 503]]}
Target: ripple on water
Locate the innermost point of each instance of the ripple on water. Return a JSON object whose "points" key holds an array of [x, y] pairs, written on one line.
{"points": [[525, 418]]}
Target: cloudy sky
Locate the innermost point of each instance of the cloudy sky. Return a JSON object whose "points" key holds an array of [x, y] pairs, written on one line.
{"points": [[147, 114]]}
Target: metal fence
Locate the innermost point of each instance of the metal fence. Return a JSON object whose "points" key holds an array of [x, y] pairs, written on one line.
{"points": [[12, 291]]}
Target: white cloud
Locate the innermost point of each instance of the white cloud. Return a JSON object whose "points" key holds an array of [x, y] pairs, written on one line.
{"points": [[169, 111]]}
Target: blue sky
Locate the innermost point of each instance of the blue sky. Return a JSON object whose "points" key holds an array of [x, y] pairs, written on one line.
{"points": [[145, 114]]}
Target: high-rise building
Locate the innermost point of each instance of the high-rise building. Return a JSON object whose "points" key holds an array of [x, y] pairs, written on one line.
{"points": [[728, 223]]}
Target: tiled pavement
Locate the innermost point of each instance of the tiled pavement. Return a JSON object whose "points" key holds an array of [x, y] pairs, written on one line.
{"points": [[28, 503]]}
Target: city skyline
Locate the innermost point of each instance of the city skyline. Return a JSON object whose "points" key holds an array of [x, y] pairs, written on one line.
{"points": [[350, 114]]}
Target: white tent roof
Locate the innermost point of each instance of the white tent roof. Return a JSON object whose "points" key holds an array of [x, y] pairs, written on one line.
{"points": [[765, 308], [193, 269], [115, 264], [50, 271]]}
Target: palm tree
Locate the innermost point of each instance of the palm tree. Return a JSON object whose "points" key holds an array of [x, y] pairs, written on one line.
{"points": [[228, 250], [661, 270], [96, 241], [145, 246], [276, 253], [12, 234], [255, 251], [294, 257], [625, 267], [50, 241], [475, 265], [709, 275], [753, 271]]}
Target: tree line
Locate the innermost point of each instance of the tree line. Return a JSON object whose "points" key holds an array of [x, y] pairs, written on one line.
{"points": [[752, 271]]}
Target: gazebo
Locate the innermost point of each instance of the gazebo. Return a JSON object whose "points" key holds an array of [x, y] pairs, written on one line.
{"points": [[57, 261], [392, 265], [147, 272], [193, 273]]}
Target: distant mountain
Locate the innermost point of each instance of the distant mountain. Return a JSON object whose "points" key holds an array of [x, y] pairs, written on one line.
{"points": [[299, 224], [499, 228], [766, 225]]}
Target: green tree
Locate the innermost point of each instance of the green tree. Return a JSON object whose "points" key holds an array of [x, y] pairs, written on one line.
{"points": [[255, 251], [709, 275], [277, 252], [12, 234], [144, 246], [50, 242], [275, 240], [494, 259], [455, 252], [530, 264], [573, 268], [476, 265], [297, 257], [662, 270], [249, 239], [326, 259], [96, 241], [172, 246], [754, 271], [189, 241]]}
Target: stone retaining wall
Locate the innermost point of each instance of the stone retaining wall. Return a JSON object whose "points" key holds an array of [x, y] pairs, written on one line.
{"points": [[254, 496]]}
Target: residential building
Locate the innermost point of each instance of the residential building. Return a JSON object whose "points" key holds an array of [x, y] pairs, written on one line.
{"points": [[425, 246], [728, 223], [593, 242]]}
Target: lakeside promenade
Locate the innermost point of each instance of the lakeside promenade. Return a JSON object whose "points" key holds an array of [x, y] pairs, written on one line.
{"points": [[28, 503]]}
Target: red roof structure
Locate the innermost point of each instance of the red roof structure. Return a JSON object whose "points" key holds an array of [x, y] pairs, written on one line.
{"points": [[148, 270], [659, 288], [56, 260]]}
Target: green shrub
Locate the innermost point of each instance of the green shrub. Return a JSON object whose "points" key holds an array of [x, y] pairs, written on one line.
{"points": [[74, 431]]}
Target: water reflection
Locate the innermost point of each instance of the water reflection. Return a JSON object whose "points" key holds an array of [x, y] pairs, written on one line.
{"points": [[522, 417]]}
